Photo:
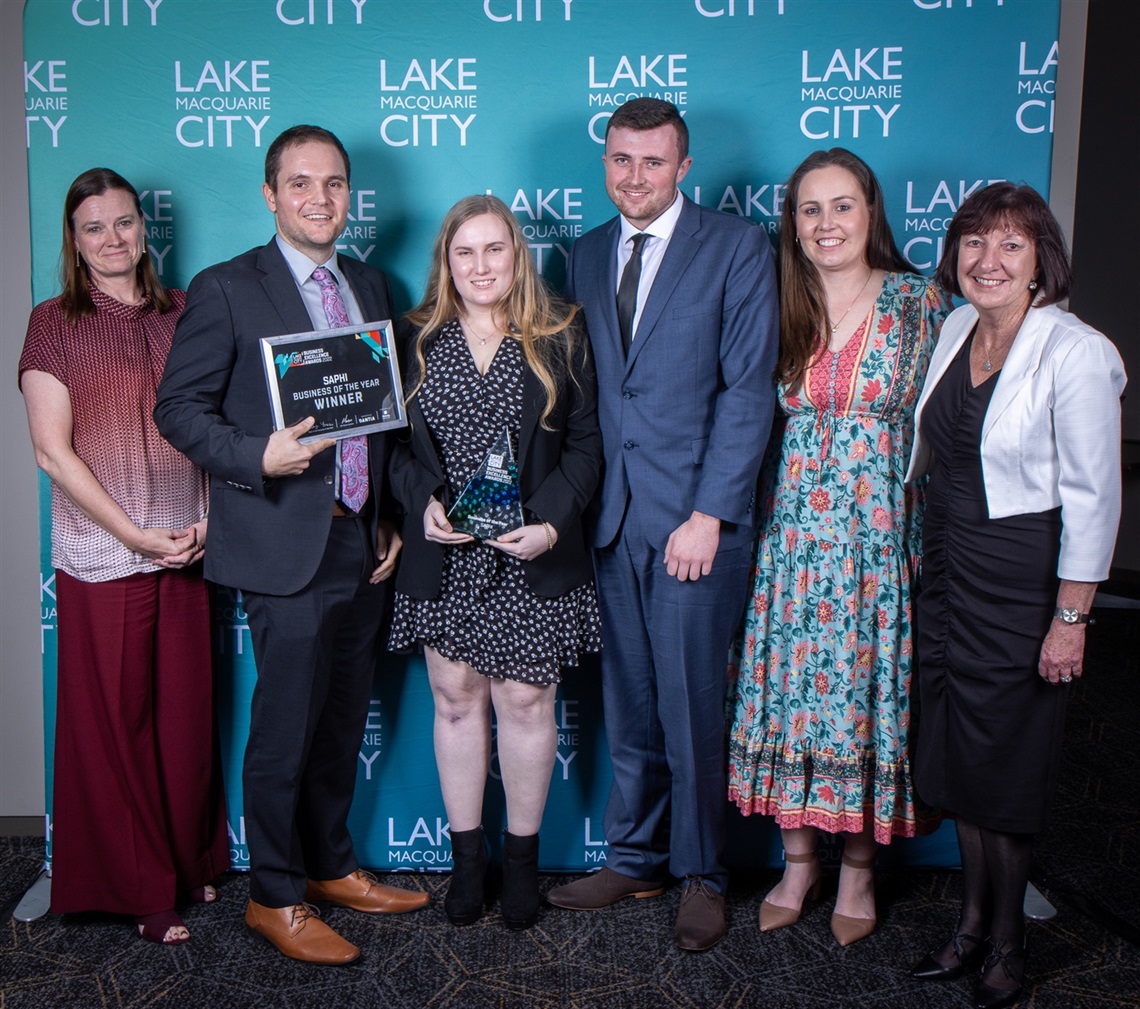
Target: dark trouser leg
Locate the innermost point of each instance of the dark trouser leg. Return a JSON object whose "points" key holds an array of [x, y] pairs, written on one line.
{"points": [[637, 814], [691, 625], [185, 730], [665, 647], [315, 653]]}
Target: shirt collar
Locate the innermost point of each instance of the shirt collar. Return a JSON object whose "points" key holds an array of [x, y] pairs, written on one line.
{"points": [[662, 227], [302, 267]]}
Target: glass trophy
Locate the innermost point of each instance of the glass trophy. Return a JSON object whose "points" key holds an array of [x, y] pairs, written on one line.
{"points": [[490, 504]]}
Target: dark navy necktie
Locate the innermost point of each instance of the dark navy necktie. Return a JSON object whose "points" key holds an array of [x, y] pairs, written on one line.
{"points": [[627, 291]]}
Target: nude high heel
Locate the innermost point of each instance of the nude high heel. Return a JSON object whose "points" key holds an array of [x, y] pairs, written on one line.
{"points": [[773, 916], [848, 930]]}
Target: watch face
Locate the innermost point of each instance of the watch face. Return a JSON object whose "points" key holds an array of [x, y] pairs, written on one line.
{"points": [[1070, 616]]}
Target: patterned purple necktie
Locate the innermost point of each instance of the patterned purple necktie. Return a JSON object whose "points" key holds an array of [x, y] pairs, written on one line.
{"points": [[354, 450]]}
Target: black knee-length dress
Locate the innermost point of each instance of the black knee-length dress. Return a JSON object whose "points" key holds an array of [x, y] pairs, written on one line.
{"points": [[990, 729], [485, 614]]}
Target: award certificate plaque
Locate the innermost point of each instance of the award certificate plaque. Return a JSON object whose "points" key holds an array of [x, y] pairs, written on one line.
{"points": [[490, 504], [347, 378]]}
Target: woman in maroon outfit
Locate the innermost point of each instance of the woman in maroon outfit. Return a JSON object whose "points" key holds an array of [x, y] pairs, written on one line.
{"points": [[138, 813]]}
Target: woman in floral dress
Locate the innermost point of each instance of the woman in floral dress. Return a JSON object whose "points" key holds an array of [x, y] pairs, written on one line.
{"points": [[821, 673]]}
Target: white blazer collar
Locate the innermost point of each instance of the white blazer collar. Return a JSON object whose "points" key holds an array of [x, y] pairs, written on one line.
{"points": [[1023, 360]]}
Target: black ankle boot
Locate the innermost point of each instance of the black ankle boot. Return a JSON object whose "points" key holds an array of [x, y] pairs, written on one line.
{"points": [[463, 904], [519, 900]]}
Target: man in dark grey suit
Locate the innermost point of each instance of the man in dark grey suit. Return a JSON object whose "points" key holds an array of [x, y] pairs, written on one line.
{"points": [[680, 303], [299, 529]]}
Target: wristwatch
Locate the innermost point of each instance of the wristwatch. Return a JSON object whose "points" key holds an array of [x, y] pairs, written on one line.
{"points": [[1071, 616]]}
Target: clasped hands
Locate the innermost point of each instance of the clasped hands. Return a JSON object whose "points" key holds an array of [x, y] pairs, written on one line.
{"points": [[173, 548], [526, 542]]}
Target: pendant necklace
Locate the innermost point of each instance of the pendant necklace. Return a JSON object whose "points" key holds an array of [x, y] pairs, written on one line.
{"points": [[469, 329], [835, 325], [987, 364]]}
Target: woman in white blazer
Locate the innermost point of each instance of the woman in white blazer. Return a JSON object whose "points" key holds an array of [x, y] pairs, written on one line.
{"points": [[1018, 427]]}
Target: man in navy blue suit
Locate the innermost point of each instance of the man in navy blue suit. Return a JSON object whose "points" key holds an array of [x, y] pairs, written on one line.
{"points": [[680, 303]]}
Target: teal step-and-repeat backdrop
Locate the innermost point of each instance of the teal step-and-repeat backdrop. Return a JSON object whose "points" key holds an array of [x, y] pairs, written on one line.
{"points": [[436, 99]]}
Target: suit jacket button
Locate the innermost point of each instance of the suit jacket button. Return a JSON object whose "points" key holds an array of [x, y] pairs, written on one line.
{"points": [[329, 480], [629, 444]]}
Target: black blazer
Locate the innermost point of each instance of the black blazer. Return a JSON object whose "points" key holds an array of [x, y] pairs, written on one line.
{"points": [[213, 405], [558, 471]]}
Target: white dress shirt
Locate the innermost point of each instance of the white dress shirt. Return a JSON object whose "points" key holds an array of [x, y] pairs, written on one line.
{"points": [[660, 231], [302, 267]]}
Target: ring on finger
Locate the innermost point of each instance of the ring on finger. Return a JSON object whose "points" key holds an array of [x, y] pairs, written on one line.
{"points": [[1066, 679]]}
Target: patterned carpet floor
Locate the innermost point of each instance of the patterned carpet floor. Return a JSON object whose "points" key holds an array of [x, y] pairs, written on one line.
{"points": [[1087, 957]]}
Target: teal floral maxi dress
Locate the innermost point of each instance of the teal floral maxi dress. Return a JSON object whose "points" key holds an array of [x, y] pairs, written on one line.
{"points": [[820, 675]]}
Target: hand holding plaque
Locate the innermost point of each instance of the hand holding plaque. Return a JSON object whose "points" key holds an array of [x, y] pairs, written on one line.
{"points": [[490, 505]]}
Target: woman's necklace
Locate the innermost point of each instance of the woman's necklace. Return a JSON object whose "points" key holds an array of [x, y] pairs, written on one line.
{"points": [[987, 364], [470, 331], [838, 322]]}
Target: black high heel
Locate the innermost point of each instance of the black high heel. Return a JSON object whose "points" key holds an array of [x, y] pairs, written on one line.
{"points": [[931, 967], [1010, 960]]}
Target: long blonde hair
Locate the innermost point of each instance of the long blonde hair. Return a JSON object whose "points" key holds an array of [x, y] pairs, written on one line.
{"points": [[541, 323]]}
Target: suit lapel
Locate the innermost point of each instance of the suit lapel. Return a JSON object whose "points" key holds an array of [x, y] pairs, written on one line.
{"points": [[366, 293], [281, 290], [1022, 361], [946, 351], [682, 248], [599, 287]]}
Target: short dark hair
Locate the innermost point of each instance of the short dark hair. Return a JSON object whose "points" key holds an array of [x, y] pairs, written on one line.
{"points": [[295, 136], [1021, 207], [648, 114]]}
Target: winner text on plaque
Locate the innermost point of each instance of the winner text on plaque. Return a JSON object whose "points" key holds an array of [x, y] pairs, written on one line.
{"points": [[346, 378]]}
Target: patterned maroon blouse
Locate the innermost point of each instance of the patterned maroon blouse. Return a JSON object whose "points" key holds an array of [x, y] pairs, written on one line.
{"points": [[111, 363]]}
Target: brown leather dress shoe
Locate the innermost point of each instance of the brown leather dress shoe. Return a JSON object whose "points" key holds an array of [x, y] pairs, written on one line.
{"points": [[362, 891], [298, 932], [700, 919], [601, 889]]}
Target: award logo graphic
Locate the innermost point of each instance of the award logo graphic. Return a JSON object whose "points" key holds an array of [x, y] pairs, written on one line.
{"points": [[490, 504]]}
